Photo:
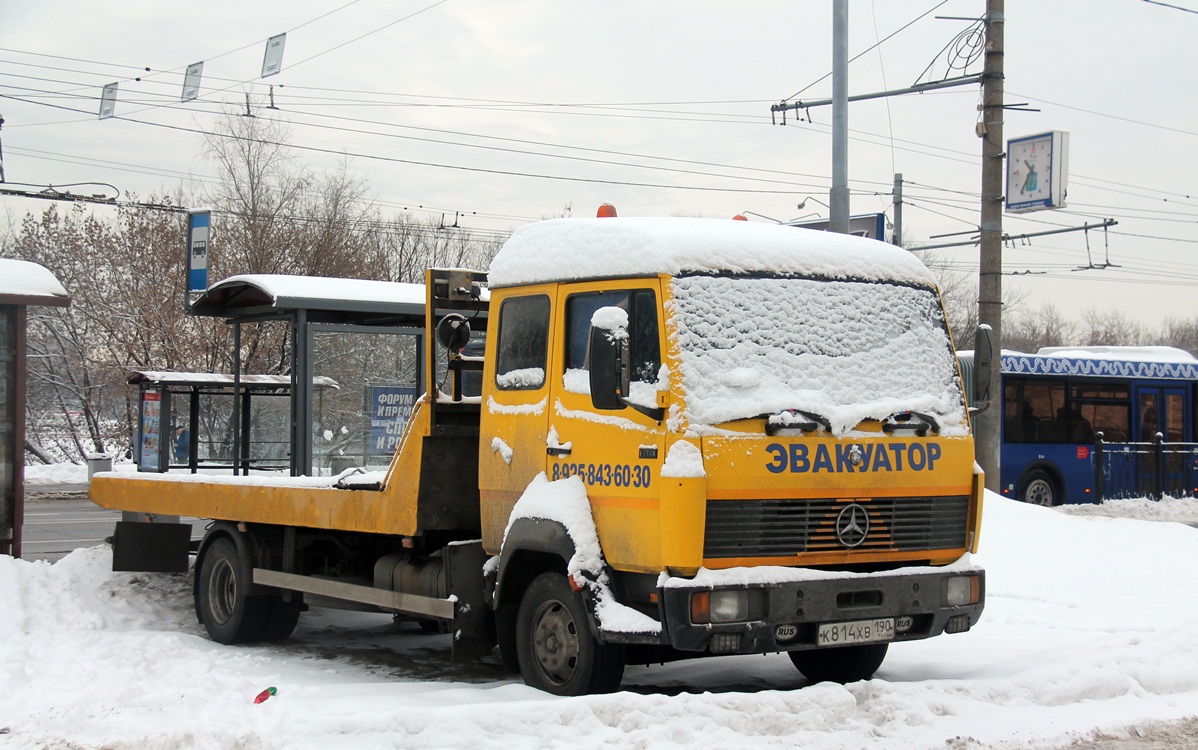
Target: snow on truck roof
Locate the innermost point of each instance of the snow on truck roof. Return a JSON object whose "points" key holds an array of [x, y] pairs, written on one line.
{"points": [[572, 249]]}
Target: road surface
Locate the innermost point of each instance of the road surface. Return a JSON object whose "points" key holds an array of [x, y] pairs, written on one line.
{"points": [[59, 519]]}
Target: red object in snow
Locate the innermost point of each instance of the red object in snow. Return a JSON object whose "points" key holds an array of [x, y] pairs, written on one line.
{"points": [[265, 694]]}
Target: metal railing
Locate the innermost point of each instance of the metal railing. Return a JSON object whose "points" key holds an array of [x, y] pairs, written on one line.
{"points": [[1154, 470]]}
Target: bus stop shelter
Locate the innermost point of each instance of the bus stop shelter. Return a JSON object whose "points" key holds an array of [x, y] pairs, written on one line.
{"points": [[324, 309], [187, 420], [22, 285]]}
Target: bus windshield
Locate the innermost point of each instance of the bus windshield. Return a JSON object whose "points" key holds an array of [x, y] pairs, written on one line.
{"points": [[845, 350]]}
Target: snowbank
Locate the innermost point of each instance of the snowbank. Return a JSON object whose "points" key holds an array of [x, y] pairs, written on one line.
{"points": [[1089, 626]]}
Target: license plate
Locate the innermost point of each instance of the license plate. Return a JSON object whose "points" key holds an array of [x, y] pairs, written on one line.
{"points": [[857, 631]]}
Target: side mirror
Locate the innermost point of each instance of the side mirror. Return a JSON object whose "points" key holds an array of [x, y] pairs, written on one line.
{"points": [[983, 367], [609, 369]]}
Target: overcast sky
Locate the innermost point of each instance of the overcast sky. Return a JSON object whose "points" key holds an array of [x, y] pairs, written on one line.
{"points": [[509, 112]]}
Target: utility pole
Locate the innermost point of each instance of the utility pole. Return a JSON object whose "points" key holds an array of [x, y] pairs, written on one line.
{"points": [[838, 198], [898, 209], [990, 130]]}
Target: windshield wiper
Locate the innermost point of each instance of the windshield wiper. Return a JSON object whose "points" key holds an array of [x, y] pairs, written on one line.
{"points": [[903, 421], [794, 419]]}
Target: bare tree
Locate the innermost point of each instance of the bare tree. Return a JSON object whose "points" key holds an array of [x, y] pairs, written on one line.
{"points": [[1043, 326], [1112, 328], [125, 270]]}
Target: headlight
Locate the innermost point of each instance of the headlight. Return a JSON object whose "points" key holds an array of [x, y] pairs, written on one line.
{"points": [[961, 590], [726, 605]]}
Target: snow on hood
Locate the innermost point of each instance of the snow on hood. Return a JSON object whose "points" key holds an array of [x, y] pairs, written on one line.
{"points": [[571, 249]]}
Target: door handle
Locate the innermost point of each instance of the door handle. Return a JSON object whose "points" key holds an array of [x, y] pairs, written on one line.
{"points": [[557, 450]]}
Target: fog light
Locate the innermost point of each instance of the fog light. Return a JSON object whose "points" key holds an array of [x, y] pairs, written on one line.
{"points": [[957, 624], [725, 643], [961, 590], [730, 605]]}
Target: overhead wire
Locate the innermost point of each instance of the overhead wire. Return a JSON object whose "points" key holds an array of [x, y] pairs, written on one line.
{"points": [[459, 167], [867, 50]]}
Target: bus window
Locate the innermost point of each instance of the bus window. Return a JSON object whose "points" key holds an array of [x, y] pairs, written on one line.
{"points": [[1034, 411], [1148, 417], [1174, 409], [1100, 407]]}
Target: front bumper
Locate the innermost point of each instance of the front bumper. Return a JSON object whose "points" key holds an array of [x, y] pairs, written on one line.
{"points": [[788, 614]]}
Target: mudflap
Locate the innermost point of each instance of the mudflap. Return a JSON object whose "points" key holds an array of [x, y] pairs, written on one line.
{"points": [[473, 621], [139, 547]]}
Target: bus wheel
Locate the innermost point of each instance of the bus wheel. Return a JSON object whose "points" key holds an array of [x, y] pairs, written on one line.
{"points": [[843, 664], [229, 615], [1039, 489], [554, 645]]}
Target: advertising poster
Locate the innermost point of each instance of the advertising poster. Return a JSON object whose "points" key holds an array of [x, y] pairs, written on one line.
{"points": [[390, 407], [151, 431]]}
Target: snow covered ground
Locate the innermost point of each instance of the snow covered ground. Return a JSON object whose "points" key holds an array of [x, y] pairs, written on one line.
{"points": [[1089, 627]]}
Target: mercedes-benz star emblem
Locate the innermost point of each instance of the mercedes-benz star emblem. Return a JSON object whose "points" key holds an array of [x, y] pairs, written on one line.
{"points": [[852, 525]]}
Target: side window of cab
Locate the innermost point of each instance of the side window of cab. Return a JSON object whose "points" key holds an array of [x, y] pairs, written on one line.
{"points": [[644, 344], [523, 343]]}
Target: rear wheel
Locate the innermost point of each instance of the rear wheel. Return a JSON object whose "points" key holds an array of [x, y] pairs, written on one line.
{"points": [[843, 664], [1040, 489], [554, 644], [230, 616], [281, 618]]}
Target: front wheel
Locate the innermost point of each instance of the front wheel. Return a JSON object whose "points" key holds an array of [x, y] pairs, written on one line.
{"points": [[842, 664], [554, 645]]}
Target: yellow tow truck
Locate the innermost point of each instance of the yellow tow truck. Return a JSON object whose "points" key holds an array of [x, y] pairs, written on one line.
{"points": [[693, 437]]}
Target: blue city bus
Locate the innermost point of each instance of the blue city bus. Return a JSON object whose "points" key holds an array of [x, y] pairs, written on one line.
{"points": [[1057, 401]]}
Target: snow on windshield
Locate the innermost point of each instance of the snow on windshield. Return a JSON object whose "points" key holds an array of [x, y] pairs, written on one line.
{"points": [[846, 350]]}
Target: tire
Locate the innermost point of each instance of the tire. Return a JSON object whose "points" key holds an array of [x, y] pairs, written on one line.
{"points": [[229, 615], [554, 645], [843, 664], [281, 619], [1040, 489]]}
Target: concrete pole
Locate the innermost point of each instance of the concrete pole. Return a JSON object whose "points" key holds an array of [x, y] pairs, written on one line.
{"points": [[990, 129], [838, 198], [898, 209]]}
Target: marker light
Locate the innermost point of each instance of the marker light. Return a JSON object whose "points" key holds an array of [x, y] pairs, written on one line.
{"points": [[605, 211], [739, 217]]}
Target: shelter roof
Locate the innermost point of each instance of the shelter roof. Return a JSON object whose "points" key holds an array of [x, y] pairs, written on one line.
{"points": [[25, 283], [323, 299]]}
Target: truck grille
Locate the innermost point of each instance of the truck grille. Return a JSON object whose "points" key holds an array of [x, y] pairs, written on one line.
{"points": [[781, 528]]}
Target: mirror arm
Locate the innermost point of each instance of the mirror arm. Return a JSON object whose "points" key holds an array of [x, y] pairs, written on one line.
{"points": [[656, 413]]}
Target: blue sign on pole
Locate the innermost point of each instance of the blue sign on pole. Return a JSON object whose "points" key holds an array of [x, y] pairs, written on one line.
{"points": [[198, 229], [390, 407]]}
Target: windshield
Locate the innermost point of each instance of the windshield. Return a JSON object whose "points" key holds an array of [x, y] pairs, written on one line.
{"points": [[846, 350]]}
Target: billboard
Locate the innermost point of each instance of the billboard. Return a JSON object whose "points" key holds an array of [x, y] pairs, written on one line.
{"points": [[390, 408], [865, 225]]}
